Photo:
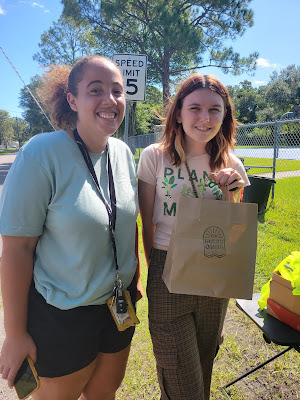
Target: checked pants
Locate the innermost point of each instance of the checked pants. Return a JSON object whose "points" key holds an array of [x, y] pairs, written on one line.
{"points": [[185, 331]]}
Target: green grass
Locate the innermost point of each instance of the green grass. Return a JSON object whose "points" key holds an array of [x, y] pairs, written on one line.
{"points": [[278, 236], [281, 165], [243, 346], [140, 379], [7, 151]]}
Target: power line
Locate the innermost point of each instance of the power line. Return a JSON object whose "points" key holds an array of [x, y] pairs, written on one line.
{"points": [[32, 95]]}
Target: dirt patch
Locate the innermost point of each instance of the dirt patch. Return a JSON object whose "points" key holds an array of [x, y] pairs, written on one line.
{"points": [[245, 348]]}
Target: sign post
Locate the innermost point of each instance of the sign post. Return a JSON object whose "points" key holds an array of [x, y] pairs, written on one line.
{"points": [[134, 70]]}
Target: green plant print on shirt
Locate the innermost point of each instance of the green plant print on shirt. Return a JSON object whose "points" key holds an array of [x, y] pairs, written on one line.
{"points": [[186, 190], [168, 184], [201, 187], [204, 183]]}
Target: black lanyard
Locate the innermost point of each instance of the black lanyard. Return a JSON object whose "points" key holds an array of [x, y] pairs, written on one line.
{"points": [[112, 208]]}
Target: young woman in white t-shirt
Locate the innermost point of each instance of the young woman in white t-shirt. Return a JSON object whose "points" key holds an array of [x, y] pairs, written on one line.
{"points": [[186, 330]]}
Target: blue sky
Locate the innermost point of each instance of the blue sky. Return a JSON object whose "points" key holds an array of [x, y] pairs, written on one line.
{"points": [[275, 35]]}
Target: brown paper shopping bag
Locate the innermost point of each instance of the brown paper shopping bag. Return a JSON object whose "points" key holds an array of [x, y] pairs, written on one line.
{"points": [[212, 250]]}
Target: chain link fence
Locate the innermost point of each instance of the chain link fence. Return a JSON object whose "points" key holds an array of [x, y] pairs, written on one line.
{"points": [[270, 150]]}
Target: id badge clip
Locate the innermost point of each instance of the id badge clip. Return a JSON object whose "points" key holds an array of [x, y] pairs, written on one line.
{"points": [[121, 308]]}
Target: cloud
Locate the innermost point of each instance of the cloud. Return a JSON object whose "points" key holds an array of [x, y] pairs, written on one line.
{"points": [[259, 83], [264, 63], [2, 12], [37, 5], [40, 6]]}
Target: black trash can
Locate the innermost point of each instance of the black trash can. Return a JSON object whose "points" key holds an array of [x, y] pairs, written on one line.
{"points": [[258, 192]]}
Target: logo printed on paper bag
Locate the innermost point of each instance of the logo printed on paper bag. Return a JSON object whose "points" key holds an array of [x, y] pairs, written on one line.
{"points": [[214, 242]]}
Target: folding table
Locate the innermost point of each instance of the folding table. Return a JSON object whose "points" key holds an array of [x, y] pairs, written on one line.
{"points": [[272, 329]]}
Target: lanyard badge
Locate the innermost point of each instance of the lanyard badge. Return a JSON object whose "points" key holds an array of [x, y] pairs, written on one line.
{"points": [[121, 308], [119, 303]]}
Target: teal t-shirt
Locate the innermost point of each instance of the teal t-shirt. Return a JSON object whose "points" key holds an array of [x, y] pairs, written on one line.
{"points": [[50, 193]]}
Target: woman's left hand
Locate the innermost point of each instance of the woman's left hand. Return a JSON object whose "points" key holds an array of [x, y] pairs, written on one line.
{"points": [[230, 182]]}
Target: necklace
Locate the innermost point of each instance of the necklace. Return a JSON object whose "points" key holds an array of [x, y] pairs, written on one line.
{"points": [[191, 180]]}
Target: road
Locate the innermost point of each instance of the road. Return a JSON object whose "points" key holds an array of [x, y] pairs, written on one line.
{"points": [[285, 153]]}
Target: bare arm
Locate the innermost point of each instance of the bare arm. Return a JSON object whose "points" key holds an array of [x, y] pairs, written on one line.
{"points": [[16, 276], [146, 204]]}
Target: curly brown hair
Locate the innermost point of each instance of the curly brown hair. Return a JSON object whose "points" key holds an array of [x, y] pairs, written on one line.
{"points": [[173, 135], [57, 83]]}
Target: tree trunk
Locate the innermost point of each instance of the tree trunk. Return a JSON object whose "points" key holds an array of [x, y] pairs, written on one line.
{"points": [[166, 81], [166, 90]]}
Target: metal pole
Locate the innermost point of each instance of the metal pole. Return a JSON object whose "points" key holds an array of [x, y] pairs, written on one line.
{"points": [[277, 140], [276, 146], [139, 144], [126, 121], [276, 133], [278, 143]]}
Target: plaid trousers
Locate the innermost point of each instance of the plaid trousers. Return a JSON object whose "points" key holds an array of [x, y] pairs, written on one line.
{"points": [[185, 331]]}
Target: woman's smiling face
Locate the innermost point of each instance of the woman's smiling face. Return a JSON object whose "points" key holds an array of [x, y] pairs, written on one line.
{"points": [[100, 100], [201, 116]]}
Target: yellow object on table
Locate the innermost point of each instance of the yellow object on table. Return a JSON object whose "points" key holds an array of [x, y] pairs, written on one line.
{"points": [[289, 269]]}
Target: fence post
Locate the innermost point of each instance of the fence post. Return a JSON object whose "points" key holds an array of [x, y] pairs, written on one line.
{"points": [[139, 144], [126, 121], [275, 155]]}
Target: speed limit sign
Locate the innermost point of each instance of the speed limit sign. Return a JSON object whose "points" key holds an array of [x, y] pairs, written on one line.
{"points": [[134, 70]]}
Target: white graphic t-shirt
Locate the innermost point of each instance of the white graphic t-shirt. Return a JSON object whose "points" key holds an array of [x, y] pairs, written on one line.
{"points": [[170, 181]]}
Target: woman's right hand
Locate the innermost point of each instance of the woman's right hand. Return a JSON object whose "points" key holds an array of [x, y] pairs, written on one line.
{"points": [[13, 353]]}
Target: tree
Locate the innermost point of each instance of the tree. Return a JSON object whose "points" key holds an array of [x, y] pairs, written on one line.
{"points": [[267, 114], [291, 77], [144, 115], [280, 95], [154, 96], [65, 41], [247, 101], [6, 128], [177, 35], [33, 115], [21, 129]]}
